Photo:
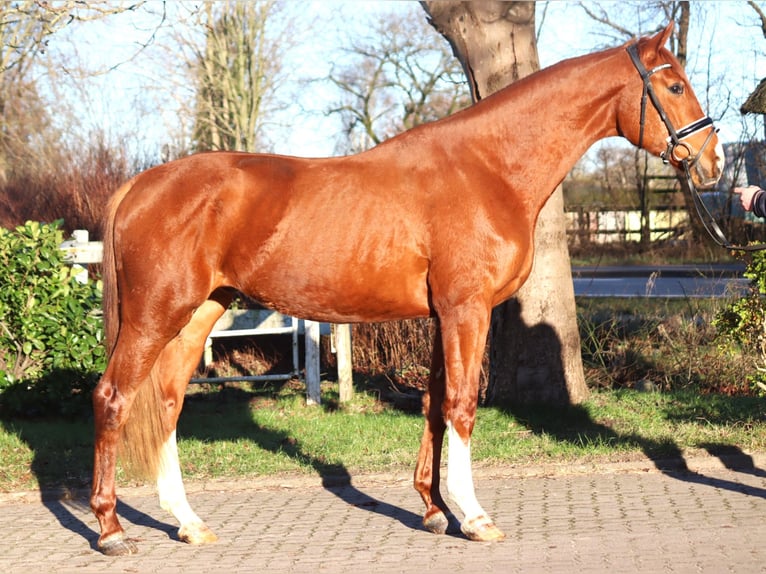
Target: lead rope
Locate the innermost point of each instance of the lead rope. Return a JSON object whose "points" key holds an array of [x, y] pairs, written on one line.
{"points": [[709, 222]]}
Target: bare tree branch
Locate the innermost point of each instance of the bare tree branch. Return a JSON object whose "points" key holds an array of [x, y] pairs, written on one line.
{"points": [[602, 17], [231, 60], [761, 14], [402, 76], [26, 25], [25, 30]]}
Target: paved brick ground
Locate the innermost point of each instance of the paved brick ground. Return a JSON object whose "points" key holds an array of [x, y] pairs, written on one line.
{"points": [[615, 519]]}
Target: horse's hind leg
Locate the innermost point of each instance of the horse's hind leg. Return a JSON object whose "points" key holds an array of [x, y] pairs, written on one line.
{"points": [[174, 367], [141, 359], [128, 368], [427, 475]]}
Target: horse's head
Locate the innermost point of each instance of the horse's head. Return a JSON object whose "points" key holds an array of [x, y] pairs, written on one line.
{"points": [[660, 113]]}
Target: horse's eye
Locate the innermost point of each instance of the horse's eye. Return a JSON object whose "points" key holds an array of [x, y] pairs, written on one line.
{"points": [[677, 89]]}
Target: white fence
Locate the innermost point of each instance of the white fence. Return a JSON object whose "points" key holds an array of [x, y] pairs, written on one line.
{"points": [[79, 252], [619, 226]]}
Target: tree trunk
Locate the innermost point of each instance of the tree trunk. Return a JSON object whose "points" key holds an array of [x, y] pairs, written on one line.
{"points": [[535, 343]]}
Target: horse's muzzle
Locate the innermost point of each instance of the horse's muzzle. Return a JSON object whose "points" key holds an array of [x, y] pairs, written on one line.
{"points": [[706, 174]]}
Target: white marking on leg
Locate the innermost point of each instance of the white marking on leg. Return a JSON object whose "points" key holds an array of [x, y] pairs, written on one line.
{"points": [[460, 477], [170, 485]]}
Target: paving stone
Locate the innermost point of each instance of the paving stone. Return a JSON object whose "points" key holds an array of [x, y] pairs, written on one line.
{"points": [[613, 520]]}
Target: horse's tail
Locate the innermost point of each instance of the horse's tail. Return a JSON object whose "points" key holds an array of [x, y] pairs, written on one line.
{"points": [[143, 433], [111, 298]]}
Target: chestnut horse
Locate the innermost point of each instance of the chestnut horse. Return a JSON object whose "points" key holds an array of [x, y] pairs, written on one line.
{"points": [[436, 222]]}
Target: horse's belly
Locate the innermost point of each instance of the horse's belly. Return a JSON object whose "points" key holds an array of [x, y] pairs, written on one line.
{"points": [[348, 293], [339, 304], [333, 260]]}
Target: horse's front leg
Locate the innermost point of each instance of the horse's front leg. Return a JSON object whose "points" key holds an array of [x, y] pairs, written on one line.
{"points": [[427, 474], [476, 525], [464, 335]]}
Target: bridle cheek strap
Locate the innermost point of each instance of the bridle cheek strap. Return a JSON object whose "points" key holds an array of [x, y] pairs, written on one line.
{"points": [[675, 140], [648, 89]]}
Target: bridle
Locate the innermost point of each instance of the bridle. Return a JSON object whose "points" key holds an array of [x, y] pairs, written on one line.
{"points": [[689, 159]]}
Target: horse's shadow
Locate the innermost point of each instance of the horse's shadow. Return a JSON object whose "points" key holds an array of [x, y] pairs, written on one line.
{"points": [[63, 474], [67, 506], [572, 423], [335, 477], [64, 478]]}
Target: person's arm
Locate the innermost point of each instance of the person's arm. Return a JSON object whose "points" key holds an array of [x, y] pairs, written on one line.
{"points": [[759, 203], [753, 199]]}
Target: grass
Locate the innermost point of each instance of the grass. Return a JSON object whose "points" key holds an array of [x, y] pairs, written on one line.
{"points": [[284, 435], [625, 424], [246, 432], [44, 453]]}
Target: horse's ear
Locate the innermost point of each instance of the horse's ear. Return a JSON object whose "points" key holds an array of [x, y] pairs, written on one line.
{"points": [[662, 37], [653, 45]]}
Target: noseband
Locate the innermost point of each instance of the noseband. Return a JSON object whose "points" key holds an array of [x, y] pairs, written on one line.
{"points": [[687, 160]]}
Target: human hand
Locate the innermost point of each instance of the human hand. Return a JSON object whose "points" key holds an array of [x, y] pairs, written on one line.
{"points": [[746, 195]]}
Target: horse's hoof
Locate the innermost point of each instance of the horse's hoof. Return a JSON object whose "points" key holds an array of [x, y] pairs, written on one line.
{"points": [[440, 522], [196, 534], [482, 529], [436, 522], [118, 547]]}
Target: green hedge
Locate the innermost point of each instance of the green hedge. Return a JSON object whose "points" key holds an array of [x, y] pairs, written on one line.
{"points": [[51, 351]]}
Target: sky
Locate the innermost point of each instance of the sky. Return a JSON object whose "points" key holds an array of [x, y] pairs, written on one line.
{"points": [[126, 99]]}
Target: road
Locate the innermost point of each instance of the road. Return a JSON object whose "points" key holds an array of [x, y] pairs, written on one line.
{"points": [[672, 281]]}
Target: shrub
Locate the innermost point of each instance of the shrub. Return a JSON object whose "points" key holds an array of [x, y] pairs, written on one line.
{"points": [[743, 323], [661, 344], [73, 184], [50, 325]]}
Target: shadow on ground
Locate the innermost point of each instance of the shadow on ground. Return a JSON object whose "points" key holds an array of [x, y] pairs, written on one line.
{"points": [[64, 473], [575, 425], [336, 478]]}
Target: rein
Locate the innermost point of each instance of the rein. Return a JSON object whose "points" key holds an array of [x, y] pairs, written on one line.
{"points": [[675, 140]]}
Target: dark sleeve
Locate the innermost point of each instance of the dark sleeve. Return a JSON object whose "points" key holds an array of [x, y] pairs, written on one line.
{"points": [[759, 204]]}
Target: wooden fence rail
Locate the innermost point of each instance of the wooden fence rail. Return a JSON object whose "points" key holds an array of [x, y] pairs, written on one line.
{"points": [[586, 226]]}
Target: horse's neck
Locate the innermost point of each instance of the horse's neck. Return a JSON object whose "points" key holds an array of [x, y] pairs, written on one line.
{"points": [[545, 123]]}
